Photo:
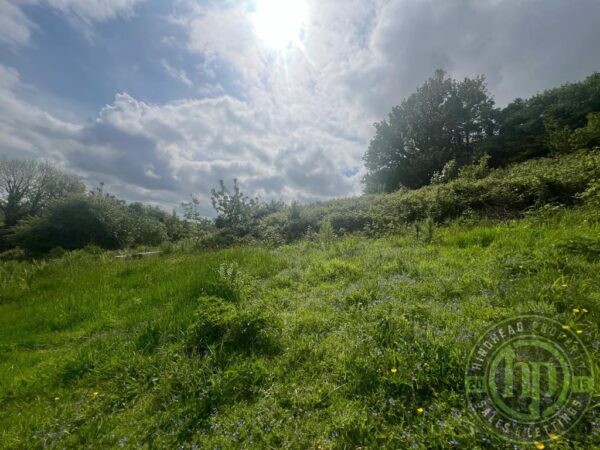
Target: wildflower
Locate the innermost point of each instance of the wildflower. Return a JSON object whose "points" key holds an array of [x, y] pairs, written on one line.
{"points": [[584, 310], [95, 394], [420, 410], [566, 327], [56, 399], [553, 436], [579, 331], [540, 446], [576, 310], [393, 370]]}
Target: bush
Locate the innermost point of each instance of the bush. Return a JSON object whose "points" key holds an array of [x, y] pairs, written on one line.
{"points": [[448, 173], [95, 219], [588, 136]]}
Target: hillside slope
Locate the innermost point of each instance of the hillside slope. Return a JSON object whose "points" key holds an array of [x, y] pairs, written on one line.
{"points": [[502, 194], [319, 344]]}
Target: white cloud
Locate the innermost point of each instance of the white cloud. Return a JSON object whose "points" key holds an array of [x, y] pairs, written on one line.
{"points": [[189, 145], [302, 118], [27, 131], [225, 33], [9, 77], [94, 10], [15, 27], [177, 74]]}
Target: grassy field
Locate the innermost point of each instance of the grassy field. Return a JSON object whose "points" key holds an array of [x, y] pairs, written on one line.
{"points": [[344, 343]]}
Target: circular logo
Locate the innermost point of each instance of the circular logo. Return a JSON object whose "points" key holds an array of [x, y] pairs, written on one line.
{"points": [[529, 379]]}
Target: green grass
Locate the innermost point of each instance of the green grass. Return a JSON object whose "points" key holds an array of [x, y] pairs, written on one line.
{"points": [[284, 348]]}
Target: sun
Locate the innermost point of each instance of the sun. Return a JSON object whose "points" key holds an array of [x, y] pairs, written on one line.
{"points": [[280, 23]]}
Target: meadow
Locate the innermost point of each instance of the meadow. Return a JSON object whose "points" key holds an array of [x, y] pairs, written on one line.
{"points": [[329, 342]]}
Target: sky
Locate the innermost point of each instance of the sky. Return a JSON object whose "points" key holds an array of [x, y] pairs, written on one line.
{"points": [[159, 99]]}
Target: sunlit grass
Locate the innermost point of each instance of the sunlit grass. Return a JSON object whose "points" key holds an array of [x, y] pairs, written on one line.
{"points": [[352, 343]]}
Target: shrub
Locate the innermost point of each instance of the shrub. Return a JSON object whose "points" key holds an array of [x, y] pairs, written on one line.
{"points": [[71, 224], [588, 136], [96, 219], [475, 171], [448, 173], [326, 234]]}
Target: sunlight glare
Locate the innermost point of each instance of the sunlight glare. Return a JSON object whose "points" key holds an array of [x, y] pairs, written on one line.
{"points": [[279, 23]]}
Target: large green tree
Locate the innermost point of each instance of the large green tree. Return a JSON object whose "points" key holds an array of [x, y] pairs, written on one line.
{"points": [[441, 121]]}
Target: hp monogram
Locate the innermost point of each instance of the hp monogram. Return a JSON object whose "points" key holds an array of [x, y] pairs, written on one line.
{"points": [[528, 378]]}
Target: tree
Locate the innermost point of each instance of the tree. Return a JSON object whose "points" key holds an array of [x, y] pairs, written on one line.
{"points": [[197, 225], [27, 187], [234, 210], [441, 121], [537, 126]]}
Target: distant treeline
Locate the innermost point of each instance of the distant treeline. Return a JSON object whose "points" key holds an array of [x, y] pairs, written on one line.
{"points": [[444, 153]]}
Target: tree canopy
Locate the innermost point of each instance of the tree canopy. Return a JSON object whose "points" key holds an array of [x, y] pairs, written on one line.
{"points": [[447, 120], [530, 128], [440, 122]]}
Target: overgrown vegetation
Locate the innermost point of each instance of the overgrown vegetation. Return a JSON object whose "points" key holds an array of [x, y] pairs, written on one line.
{"points": [[446, 139], [330, 342], [477, 191]]}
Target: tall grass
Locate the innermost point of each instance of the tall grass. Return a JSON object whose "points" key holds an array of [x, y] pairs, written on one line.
{"points": [[291, 347]]}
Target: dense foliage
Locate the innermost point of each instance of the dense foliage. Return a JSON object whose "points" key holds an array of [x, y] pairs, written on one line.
{"points": [[446, 120], [526, 126], [440, 122], [95, 218], [27, 188], [476, 191]]}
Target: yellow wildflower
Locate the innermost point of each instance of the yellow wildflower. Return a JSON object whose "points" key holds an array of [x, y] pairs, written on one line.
{"points": [[95, 394], [540, 446], [584, 310], [553, 436], [420, 410], [575, 310], [566, 327], [393, 370], [579, 331]]}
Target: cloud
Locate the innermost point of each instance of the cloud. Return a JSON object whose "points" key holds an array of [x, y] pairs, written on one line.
{"points": [[161, 153], [177, 74], [224, 31], [15, 26], [187, 146], [290, 124], [27, 131], [9, 77], [94, 10]]}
